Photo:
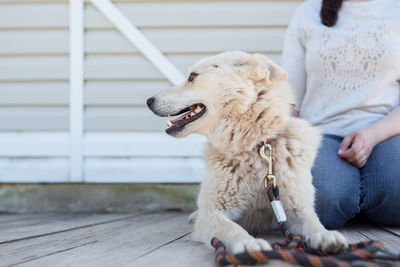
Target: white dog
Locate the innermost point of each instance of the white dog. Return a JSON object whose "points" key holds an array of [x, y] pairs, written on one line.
{"points": [[238, 101]]}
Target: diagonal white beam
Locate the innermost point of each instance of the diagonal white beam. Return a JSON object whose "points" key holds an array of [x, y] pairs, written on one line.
{"points": [[136, 37]]}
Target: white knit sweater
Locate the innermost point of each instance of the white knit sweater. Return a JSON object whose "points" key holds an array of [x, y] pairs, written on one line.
{"points": [[345, 77]]}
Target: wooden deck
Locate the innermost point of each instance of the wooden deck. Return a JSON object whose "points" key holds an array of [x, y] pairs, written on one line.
{"points": [[138, 239]]}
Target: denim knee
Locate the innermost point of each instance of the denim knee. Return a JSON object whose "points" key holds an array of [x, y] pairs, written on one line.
{"points": [[382, 198], [337, 185], [335, 205], [380, 180]]}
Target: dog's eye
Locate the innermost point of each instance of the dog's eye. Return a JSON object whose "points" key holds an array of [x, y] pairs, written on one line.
{"points": [[192, 76]]}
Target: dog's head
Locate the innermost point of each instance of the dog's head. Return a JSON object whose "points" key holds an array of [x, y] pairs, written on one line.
{"points": [[224, 95]]}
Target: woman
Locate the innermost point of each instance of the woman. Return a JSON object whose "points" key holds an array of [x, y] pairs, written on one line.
{"points": [[343, 62]]}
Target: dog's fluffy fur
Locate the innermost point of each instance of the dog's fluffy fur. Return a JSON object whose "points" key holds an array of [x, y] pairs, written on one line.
{"points": [[247, 101]]}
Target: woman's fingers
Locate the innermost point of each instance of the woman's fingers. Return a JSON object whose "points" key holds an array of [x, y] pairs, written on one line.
{"points": [[347, 141], [356, 146], [359, 159], [360, 148]]}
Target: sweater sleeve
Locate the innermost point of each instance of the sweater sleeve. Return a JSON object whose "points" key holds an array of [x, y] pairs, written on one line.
{"points": [[293, 58]]}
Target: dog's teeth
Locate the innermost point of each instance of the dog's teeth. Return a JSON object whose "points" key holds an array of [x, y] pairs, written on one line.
{"points": [[198, 109], [169, 124], [192, 113]]}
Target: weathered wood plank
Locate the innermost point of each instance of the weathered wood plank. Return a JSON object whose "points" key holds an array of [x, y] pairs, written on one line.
{"points": [[33, 226], [389, 240], [6, 218], [194, 254], [392, 229], [352, 235], [158, 239], [113, 244], [180, 253]]}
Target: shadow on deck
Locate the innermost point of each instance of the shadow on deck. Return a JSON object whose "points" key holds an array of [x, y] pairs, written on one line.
{"points": [[136, 239]]}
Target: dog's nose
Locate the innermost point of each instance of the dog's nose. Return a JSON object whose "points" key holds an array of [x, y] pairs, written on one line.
{"points": [[150, 101]]}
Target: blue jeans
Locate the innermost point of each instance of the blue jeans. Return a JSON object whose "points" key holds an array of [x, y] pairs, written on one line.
{"points": [[343, 190]]}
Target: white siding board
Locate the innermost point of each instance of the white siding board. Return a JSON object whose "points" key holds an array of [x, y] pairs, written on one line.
{"points": [[115, 93], [19, 2], [148, 144], [168, 41], [55, 15], [191, 40], [96, 119], [40, 15], [122, 119], [142, 170], [34, 68], [33, 119], [275, 13], [109, 157], [34, 42], [34, 144], [50, 93], [122, 93], [97, 67], [101, 144], [130, 1], [39, 170], [121, 67]]}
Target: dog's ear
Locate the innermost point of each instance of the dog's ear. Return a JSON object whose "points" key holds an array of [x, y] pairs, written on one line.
{"points": [[262, 68]]}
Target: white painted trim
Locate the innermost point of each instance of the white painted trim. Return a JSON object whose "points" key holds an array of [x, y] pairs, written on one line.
{"points": [[110, 157], [34, 144], [150, 144], [101, 145], [76, 33], [104, 170], [144, 170], [34, 170], [136, 37]]}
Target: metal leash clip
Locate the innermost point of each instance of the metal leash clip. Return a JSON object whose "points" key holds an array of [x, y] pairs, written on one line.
{"points": [[270, 177]]}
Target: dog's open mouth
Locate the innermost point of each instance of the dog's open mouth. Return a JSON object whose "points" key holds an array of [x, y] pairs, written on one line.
{"points": [[191, 114]]}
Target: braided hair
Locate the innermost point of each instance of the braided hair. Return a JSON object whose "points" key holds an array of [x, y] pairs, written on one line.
{"points": [[329, 12]]}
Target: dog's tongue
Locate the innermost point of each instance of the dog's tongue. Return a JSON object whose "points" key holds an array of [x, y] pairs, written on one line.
{"points": [[180, 118]]}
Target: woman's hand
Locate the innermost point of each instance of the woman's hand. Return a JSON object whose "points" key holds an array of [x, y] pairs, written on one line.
{"points": [[357, 146]]}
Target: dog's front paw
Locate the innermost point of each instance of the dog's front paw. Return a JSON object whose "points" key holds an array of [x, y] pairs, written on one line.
{"points": [[251, 244], [328, 241]]}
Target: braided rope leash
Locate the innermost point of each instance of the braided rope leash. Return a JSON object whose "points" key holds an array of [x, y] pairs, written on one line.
{"points": [[294, 250]]}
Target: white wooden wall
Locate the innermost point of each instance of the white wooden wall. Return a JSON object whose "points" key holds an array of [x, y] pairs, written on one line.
{"points": [[123, 141]]}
